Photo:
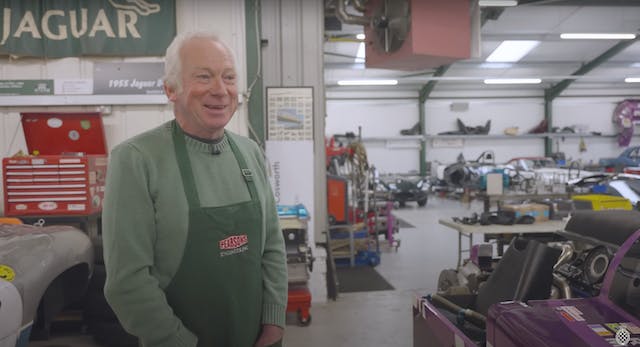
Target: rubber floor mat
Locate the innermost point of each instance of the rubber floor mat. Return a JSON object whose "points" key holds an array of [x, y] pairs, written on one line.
{"points": [[361, 279], [404, 224]]}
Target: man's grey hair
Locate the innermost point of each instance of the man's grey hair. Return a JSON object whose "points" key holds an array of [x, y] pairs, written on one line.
{"points": [[173, 61]]}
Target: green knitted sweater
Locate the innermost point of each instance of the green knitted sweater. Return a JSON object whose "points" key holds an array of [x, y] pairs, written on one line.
{"points": [[144, 222]]}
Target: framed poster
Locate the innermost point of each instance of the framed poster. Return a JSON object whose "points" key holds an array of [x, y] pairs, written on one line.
{"points": [[289, 113]]}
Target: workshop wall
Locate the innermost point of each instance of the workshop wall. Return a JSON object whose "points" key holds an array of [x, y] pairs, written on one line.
{"points": [[224, 17], [379, 121], [380, 117]]}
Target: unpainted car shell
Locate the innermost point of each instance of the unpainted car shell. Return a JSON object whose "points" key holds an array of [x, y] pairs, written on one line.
{"points": [[34, 257], [10, 314]]}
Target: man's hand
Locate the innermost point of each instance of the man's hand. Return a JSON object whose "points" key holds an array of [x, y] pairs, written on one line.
{"points": [[270, 334]]}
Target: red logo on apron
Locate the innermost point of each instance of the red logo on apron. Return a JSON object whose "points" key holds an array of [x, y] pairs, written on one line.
{"points": [[233, 242]]}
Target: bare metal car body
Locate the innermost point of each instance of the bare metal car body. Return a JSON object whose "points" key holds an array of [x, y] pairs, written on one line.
{"points": [[48, 266]]}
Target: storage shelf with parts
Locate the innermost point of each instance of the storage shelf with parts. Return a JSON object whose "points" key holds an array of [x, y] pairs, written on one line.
{"points": [[521, 136], [352, 245]]}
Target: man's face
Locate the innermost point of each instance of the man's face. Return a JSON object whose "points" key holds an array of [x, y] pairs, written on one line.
{"points": [[209, 94]]}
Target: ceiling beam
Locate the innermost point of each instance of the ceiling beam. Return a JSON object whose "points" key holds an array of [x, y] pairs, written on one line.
{"points": [[555, 90]]}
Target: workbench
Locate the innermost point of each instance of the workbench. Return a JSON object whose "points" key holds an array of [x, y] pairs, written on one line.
{"points": [[501, 233]]}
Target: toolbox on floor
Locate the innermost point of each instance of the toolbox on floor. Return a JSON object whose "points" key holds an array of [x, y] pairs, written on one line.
{"points": [[299, 302], [293, 221], [65, 170]]}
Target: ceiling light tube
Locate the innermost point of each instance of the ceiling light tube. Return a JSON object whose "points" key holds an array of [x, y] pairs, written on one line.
{"points": [[512, 81], [632, 79], [597, 36], [510, 51], [497, 3], [367, 82]]}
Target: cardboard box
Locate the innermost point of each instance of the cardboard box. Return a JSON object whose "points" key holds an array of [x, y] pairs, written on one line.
{"points": [[66, 170], [538, 211]]}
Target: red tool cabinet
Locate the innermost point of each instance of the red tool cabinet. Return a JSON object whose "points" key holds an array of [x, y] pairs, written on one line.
{"points": [[65, 171]]}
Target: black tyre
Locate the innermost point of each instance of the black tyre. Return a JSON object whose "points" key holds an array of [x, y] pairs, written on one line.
{"points": [[422, 202], [402, 203]]}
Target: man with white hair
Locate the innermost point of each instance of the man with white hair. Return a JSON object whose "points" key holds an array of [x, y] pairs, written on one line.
{"points": [[193, 249]]}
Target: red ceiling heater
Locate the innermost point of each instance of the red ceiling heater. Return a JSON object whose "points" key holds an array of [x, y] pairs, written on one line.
{"points": [[419, 34]]}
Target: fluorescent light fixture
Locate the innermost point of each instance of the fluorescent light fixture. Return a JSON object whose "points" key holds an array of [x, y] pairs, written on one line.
{"points": [[367, 82], [632, 79], [360, 54], [597, 36], [512, 81], [495, 65], [635, 65], [360, 36], [497, 3], [511, 51]]}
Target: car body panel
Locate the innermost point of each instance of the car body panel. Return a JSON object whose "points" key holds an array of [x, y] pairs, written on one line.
{"points": [[629, 157], [10, 314], [37, 256], [544, 169]]}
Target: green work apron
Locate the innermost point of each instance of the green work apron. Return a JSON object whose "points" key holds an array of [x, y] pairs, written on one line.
{"points": [[217, 290]]}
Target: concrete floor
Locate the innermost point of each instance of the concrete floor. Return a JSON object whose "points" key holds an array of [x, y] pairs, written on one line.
{"points": [[380, 318]]}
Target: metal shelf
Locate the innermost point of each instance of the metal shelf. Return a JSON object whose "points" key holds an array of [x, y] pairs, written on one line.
{"points": [[514, 137]]}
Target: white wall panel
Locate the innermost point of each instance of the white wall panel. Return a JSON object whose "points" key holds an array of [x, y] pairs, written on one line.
{"points": [[593, 114], [503, 113], [376, 117]]}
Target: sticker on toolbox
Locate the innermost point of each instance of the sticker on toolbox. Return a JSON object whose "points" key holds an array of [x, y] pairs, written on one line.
{"points": [[47, 205], [76, 207], [21, 207], [634, 329], [613, 326], [74, 135], [7, 273], [571, 311], [85, 124], [54, 122], [600, 330]]}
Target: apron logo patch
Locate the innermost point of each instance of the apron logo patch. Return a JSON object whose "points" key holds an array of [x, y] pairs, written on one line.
{"points": [[233, 245]]}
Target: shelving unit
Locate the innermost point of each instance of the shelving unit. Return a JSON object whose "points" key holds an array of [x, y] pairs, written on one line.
{"points": [[416, 138], [516, 137]]}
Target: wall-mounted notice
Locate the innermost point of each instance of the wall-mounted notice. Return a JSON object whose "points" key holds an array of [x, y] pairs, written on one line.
{"points": [[26, 87], [127, 78], [289, 113]]}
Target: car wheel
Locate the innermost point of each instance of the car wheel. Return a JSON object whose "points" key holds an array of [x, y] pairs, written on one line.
{"points": [[402, 203], [422, 202]]}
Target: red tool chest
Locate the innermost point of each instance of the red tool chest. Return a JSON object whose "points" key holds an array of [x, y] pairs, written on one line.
{"points": [[65, 171]]}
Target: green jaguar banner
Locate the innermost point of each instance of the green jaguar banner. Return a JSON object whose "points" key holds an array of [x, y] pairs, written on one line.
{"points": [[69, 28]]}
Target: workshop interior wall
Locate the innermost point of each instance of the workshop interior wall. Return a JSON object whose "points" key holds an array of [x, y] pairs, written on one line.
{"points": [[384, 118], [378, 118]]}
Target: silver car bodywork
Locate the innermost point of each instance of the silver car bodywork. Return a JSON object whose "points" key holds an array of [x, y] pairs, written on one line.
{"points": [[38, 256], [10, 314]]}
